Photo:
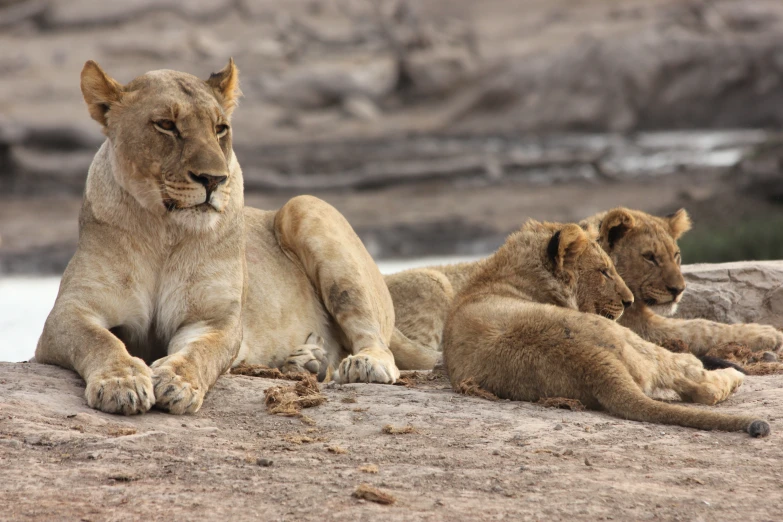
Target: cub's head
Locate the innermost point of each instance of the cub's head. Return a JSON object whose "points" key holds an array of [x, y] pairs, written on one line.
{"points": [[644, 250], [579, 261], [170, 138]]}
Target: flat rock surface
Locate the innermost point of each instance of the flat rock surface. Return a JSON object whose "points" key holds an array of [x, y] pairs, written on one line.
{"points": [[741, 292], [468, 458]]}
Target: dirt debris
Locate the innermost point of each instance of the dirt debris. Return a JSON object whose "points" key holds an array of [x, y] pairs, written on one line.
{"points": [[562, 402], [401, 430], [121, 431], [754, 363], [471, 387], [369, 468], [289, 400], [337, 450], [367, 492], [259, 370]]}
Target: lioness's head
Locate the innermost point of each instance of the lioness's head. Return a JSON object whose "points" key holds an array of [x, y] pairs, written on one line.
{"points": [[644, 250], [564, 265], [170, 137]]}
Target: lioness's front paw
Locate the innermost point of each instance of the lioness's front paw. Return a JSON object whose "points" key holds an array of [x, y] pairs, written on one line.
{"points": [[366, 368], [124, 388], [174, 392], [310, 357], [760, 337]]}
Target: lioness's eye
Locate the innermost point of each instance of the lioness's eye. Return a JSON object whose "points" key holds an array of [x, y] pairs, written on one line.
{"points": [[649, 256], [605, 273], [166, 127], [678, 258], [221, 130]]}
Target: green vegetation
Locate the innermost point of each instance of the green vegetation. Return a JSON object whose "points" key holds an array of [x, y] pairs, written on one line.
{"points": [[751, 239]]}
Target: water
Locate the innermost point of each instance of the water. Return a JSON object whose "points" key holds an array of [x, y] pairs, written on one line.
{"points": [[25, 303]]}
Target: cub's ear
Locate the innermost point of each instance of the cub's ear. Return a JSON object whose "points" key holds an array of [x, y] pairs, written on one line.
{"points": [[100, 91], [615, 225], [225, 85], [566, 245], [679, 223]]}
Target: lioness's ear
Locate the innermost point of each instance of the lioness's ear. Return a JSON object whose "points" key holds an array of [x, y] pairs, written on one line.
{"points": [[225, 85], [679, 223], [615, 225], [566, 245], [100, 91]]}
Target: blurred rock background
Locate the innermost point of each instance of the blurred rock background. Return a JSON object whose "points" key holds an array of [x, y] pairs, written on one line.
{"points": [[435, 126]]}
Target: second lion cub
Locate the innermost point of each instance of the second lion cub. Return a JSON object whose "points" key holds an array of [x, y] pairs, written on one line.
{"points": [[519, 329]]}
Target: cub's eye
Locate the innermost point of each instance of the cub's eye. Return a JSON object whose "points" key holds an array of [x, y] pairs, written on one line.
{"points": [[649, 256], [166, 127], [221, 130], [678, 258], [606, 274]]}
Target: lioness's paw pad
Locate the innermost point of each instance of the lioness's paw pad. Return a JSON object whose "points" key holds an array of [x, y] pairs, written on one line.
{"points": [[307, 358], [364, 368], [175, 394], [127, 389]]}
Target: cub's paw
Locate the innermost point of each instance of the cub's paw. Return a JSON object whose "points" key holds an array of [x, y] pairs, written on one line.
{"points": [[176, 389], [760, 337], [310, 357], [125, 387], [366, 368], [721, 384]]}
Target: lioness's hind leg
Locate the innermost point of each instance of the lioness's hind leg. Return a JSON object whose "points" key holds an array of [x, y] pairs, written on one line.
{"points": [[317, 237], [308, 358]]}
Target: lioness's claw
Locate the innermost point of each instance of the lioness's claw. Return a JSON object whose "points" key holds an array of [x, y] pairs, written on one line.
{"points": [[365, 368], [310, 358], [173, 393], [126, 389]]}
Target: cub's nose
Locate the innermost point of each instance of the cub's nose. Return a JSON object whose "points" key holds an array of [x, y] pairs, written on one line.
{"points": [[209, 181], [675, 290], [626, 304]]}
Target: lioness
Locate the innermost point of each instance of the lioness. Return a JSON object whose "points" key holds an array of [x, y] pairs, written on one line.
{"points": [[645, 252], [171, 270], [518, 328]]}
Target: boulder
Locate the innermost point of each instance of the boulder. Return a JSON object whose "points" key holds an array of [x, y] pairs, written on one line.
{"points": [[741, 292]]}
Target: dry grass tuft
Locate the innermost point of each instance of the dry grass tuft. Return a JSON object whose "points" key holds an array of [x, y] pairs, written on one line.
{"points": [[471, 387], [562, 402], [337, 450], [369, 468], [289, 400], [259, 370], [367, 492], [394, 430]]}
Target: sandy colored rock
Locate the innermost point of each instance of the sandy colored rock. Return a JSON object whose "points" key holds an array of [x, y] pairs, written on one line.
{"points": [[472, 458], [742, 292]]}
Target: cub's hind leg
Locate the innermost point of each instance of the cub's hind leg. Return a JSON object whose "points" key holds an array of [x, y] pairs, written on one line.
{"points": [[655, 367], [308, 358]]}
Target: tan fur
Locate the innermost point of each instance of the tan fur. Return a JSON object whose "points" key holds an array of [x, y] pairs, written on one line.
{"points": [[645, 252], [161, 274], [518, 329], [422, 297]]}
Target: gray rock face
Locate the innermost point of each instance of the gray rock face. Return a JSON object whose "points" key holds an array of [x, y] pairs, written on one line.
{"points": [[742, 292]]}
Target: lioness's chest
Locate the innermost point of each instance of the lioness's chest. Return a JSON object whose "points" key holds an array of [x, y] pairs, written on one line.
{"points": [[174, 292]]}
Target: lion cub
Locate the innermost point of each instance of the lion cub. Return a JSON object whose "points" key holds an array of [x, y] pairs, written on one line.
{"points": [[519, 329]]}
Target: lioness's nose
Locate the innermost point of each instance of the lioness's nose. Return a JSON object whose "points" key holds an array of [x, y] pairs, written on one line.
{"points": [[210, 181], [626, 304]]}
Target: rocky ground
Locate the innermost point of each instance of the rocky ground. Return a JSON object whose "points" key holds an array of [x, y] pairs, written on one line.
{"points": [[453, 456], [466, 457]]}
